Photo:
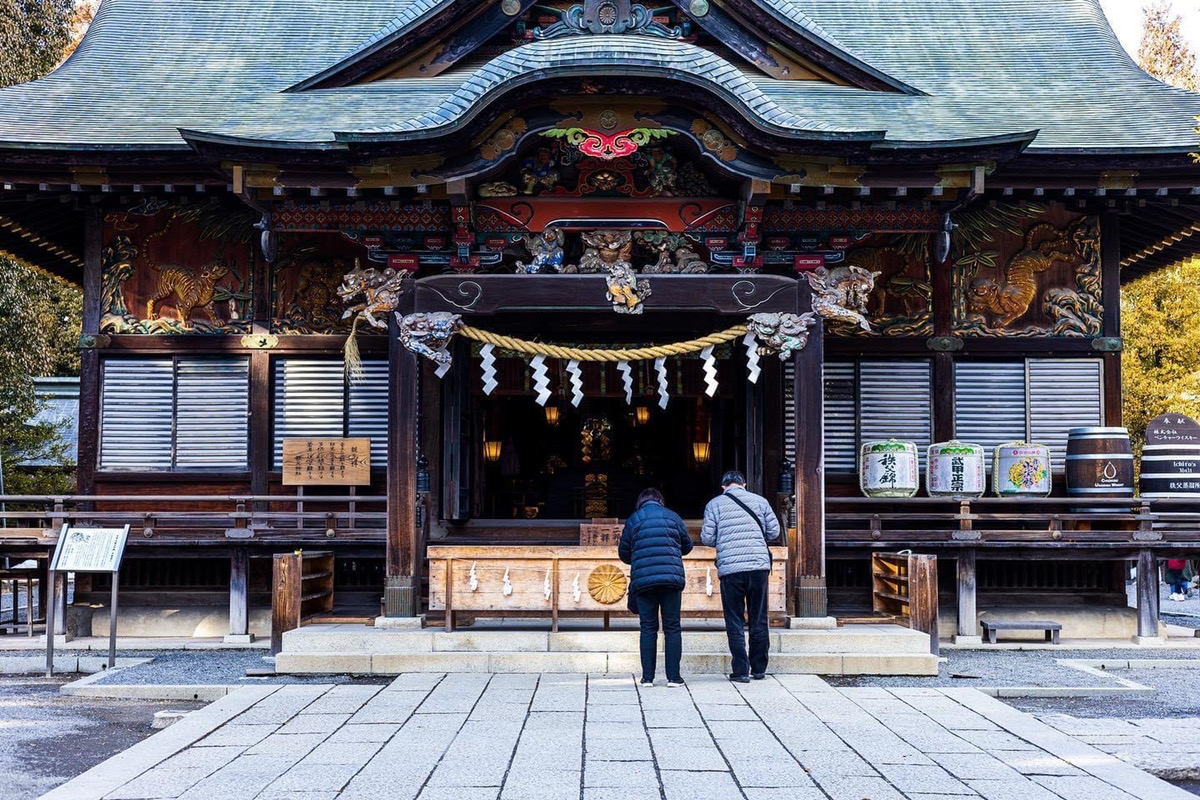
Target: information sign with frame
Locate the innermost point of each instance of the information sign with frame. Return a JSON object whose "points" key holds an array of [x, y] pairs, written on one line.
{"points": [[87, 550]]}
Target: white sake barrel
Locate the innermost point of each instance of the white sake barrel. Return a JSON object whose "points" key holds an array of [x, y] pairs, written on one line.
{"points": [[955, 469], [888, 469], [1021, 469]]}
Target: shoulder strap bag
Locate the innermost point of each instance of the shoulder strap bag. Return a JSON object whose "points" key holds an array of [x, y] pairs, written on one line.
{"points": [[761, 527]]}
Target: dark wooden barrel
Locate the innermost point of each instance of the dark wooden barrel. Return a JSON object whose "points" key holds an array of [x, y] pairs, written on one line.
{"points": [[1099, 463], [1171, 459]]}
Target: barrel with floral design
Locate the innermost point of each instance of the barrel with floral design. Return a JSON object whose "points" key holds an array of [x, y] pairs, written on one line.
{"points": [[1021, 469]]}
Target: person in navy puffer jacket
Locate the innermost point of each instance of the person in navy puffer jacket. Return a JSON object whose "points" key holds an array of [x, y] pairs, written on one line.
{"points": [[653, 544]]}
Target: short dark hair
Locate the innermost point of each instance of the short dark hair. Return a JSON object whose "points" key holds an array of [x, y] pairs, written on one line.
{"points": [[651, 495], [733, 476]]}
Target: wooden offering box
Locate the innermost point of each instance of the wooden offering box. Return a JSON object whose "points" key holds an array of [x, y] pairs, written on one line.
{"points": [[573, 581]]}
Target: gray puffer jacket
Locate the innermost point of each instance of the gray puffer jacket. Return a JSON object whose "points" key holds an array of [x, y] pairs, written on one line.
{"points": [[737, 537]]}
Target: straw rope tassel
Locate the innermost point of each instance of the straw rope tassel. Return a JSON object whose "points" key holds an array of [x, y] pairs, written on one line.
{"points": [[527, 347], [351, 358]]}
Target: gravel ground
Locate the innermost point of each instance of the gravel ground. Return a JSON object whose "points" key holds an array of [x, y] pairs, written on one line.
{"points": [[1175, 696], [974, 668], [49, 738], [211, 667]]}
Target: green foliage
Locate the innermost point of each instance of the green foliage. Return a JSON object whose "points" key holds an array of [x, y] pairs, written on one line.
{"points": [[34, 34], [1164, 51], [39, 316], [1160, 318]]}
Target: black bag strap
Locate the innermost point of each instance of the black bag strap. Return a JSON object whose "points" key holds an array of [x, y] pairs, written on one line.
{"points": [[753, 516]]}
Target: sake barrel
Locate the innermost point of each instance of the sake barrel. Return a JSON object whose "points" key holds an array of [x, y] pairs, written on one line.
{"points": [[954, 469], [1021, 469], [1099, 463], [1171, 458], [888, 469]]}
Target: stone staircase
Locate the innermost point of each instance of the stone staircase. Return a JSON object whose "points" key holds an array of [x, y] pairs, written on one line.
{"points": [[501, 647]]}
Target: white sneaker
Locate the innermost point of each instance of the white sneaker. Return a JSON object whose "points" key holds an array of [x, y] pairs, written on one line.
{"points": [[645, 683]]}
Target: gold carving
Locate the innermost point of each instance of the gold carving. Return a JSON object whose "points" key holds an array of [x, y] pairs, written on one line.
{"points": [[607, 584], [714, 140], [503, 140], [260, 341], [191, 291], [1045, 246]]}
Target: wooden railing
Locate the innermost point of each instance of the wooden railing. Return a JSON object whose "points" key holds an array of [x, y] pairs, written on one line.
{"points": [[994, 520], [170, 519]]}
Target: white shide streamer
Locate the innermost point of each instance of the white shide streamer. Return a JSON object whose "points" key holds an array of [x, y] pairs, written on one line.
{"points": [[541, 380], [445, 364], [487, 358], [472, 578], [507, 589], [626, 380], [546, 590], [660, 365], [708, 584], [576, 373], [752, 367], [710, 371]]}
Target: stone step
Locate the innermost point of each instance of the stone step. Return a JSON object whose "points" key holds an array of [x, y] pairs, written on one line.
{"points": [[858, 639], [582, 662], [334, 649]]}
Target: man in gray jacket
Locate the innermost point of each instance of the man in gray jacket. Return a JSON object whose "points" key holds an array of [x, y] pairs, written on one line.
{"points": [[739, 524]]}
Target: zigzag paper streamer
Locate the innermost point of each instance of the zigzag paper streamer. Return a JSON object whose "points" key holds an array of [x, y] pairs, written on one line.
{"points": [[487, 357], [752, 366], [626, 379], [710, 371], [660, 364], [541, 380], [576, 373], [443, 367]]}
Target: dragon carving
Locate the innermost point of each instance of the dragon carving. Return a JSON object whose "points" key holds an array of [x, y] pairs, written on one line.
{"points": [[842, 293], [781, 334], [380, 290], [428, 334], [1008, 301], [604, 249]]}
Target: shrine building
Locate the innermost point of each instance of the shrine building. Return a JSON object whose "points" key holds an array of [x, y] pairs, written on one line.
{"points": [[438, 287]]}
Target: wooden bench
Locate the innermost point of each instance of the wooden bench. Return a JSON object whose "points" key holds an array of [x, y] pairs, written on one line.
{"points": [[991, 626]]}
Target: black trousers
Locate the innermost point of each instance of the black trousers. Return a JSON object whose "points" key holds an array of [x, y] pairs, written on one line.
{"points": [[744, 599], [650, 602]]}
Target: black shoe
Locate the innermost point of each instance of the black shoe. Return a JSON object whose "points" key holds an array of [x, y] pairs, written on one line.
{"points": [[740, 678], [758, 676]]}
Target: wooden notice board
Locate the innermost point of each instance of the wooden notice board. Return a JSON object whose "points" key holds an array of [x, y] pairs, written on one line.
{"points": [[326, 462]]}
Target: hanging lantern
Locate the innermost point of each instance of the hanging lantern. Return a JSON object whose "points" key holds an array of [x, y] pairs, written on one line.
{"points": [[424, 478], [702, 451], [552, 416], [787, 477], [642, 415], [491, 451]]}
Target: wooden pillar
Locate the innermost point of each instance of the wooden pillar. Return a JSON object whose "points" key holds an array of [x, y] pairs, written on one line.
{"points": [[968, 625], [239, 595], [806, 557], [1110, 264], [754, 433], [402, 588], [1147, 594], [943, 362], [89, 357]]}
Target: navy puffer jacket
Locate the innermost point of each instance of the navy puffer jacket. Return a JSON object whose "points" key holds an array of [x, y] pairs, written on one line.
{"points": [[653, 544]]}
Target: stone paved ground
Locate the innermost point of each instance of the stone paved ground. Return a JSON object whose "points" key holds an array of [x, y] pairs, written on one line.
{"points": [[544, 737]]}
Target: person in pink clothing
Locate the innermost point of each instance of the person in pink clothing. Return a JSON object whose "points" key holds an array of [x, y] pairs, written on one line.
{"points": [[1175, 579]]}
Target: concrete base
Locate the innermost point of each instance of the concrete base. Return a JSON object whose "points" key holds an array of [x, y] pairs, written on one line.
{"points": [[1153, 641], [1078, 622], [967, 640], [180, 621], [239, 638], [355, 649], [812, 623], [400, 623]]}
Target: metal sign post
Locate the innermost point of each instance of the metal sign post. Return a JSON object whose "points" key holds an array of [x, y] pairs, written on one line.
{"points": [[95, 550]]}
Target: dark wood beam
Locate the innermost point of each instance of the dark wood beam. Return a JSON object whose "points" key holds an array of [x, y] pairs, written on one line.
{"points": [[807, 559], [402, 588]]}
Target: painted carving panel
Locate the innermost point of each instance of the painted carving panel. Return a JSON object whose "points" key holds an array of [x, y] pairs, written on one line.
{"points": [[177, 268], [1027, 270], [306, 276], [901, 303]]}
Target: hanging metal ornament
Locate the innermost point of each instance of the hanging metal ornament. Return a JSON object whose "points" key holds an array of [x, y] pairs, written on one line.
{"points": [[576, 373], [487, 358], [660, 365], [541, 380], [710, 371], [626, 380], [752, 367]]}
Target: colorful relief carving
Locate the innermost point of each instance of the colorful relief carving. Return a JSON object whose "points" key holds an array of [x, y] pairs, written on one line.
{"points": [[781, 335], [429, 334], [605, 249], [675, 254], [626, 291], [177, 269], [546, 252], [841, 294], [1040, 280], [606, 17], [901, 303], [380, 292]]}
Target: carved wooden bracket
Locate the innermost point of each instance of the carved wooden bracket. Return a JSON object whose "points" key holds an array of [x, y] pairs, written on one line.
{"points": [[945, 344], [94, 341], [1108, 344]]}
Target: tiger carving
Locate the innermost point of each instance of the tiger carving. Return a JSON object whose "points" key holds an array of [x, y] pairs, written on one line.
{"points": [[1007, 302], [191, 290]]}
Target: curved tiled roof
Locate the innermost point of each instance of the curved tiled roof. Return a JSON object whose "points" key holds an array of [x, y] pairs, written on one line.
{"points": [[149, 68]]}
